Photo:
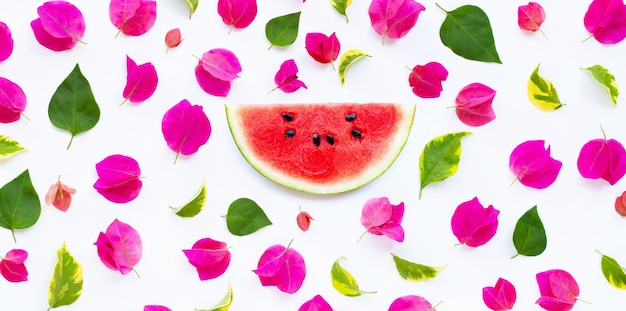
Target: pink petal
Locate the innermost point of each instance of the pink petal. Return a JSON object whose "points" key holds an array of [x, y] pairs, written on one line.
{"points": [[593, 159], [286, 78], [530, 16], [13, 272], [51, 194], [126, 244], [173, 38], [290, 274], [412, 303], [6, 42], [17, 256], [271, 261], [105, 252], [606, 20], [139, 22], [61, 19], [211, 84], [474, 225], [141, 81], [211, 258], [118, 178], [185, 128], [532, 164], [617, 165], [303, 220], [60, 196], [473, 104], [237, 13], [392, 228], [50, 42], [426, 80], [156, 308], [501, 297], [12, 101], [322, 48], [122, 10], [221, 64], [316, 303], [559, 290], [394, 18], [376, 212]]}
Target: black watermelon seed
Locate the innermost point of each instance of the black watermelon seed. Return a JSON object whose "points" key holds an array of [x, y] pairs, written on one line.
{"points": [[287, 117], [351, 117], [290, 133], [316, 140], [356, 133], [330, 139]]}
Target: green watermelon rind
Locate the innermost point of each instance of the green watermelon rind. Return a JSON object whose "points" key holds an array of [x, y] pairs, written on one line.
{"points": [[375, 170]]}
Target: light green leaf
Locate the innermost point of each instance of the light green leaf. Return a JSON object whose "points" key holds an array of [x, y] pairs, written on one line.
{"points": [[415, 272], [613, 272], [66, 284], [529, 236], [224, 304], [344, 282], [341, 6], [193, 5], [73, 107], [19, 204], [9, 147], [606, 78], [440, 158], [467, 32], [245, 217], [283, 30], [542, 93], [347, 59], [193, 207]]}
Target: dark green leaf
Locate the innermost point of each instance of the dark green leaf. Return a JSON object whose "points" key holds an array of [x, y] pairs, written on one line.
{"points": [[73, 107], [283, 30], [19, 204], [245, 217], [613, 272], [193, 207], [467, 32], [66, 284], [440, 158], [344, 282], [529, 236], [415, 272]]}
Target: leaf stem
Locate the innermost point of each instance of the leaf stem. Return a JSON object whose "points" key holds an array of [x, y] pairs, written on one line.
{"points": [[437, 4], [333, 65], [583, 40], [13, 234], [437, 305], [25, 116], [125, 100], [71, 140], [176, 158], [515, 256], [136, 273], [361, 237], [269, 48], [543, 33]]}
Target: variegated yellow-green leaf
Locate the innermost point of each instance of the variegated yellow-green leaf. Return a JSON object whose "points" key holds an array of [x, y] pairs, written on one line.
{"points": [[613, 272], [415, 272], [66, 284], [606, 78], [347, 59], [440, 158], [193, 5], [9, 147], [344, 282], [341, 6], [224, 304], [542, 93], [193, 207]]}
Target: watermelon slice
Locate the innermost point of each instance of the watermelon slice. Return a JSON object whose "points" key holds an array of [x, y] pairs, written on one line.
{"points": [[321, 148]]}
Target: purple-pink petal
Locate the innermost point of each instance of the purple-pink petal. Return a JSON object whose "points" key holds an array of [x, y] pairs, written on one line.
{"points": [[606, 20], [185, 127], [118, 178], [237, 13], [126, 245], [140, 21], [105, 252], [283, 268], [530, 16], [221, 64], [425, 80], [211, 84], [12, 101], [323, 49], [211, 258], [50, 42], [141, 81], [410, 303], [500, 297], [6, 42], [122, 10], [558, 289], [473, 104], [392, 228], [532, 164], [61, 19], [156, 308], [376, 212], [474, 225], [317, 303], [12, 266], [602, 158], [394, 18], [286, 78]]}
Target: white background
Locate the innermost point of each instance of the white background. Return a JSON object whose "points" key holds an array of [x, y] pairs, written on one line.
{"points": [[578, 214]]}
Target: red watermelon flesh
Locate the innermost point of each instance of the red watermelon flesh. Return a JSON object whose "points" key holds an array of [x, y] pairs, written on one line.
{"points": [[321, 148]]}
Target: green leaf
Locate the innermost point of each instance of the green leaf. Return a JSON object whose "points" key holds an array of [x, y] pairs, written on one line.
{"points": [[415, 272], [19, 204], [283, 30], [542, 93], [66, 284], [529, 236], [9, 147], [440, 158], [341, 6], [73, 107], [344, 282], [245, 217], [193, 5], [613, 272], [193, 207], [467, 32], [606, 78], [224, 304], [347, 59]]}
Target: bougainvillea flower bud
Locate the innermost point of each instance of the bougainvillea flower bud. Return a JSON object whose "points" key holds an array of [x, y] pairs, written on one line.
{"points": [[620, 204]]}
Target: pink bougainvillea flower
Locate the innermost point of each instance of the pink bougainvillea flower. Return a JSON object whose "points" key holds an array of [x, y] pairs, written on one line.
{"points": [[380, 217], [473, 104], [185, 128], [119, 248], [304, 220], [286, 78], [559, 290], [394, 18], [60, 25], [222, 64], [12, 101], [60, 196], [473, 224], [211, 258], [133, 17], [501, 297], [426, 79], [6, 42], [411, 303], [282, 267], [173, 38], [118, 178], [530, 16], [317, 303], [141, 81], [12, 266], [211, 84], [323, 49], [620, 204], [237, 13], [532, 164], [602, 158], [606, 20], [156, 308]]}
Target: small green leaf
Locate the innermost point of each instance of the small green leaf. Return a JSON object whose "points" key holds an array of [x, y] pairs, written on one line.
{"points": [[529, 236], [19, 204], [415, 272], [344, 282], [283, 30], [193, 207], [73, 107], [341, 6], [542, 93], [66, 284], [224, 304], [606, 78], [9, 147], [193, 5], [245, 217], [467, 32], [440, 158], [613, 272], [347, 59]]}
